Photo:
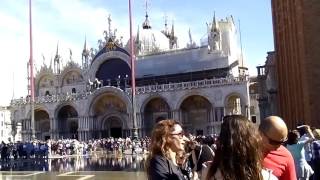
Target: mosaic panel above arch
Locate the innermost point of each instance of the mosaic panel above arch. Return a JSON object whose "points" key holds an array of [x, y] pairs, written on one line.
{"points": [[71, 77], [108, 102]]}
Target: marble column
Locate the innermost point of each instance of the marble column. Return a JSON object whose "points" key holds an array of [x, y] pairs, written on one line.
{"points": [[175, 115], [51, 128], [212, 115]]}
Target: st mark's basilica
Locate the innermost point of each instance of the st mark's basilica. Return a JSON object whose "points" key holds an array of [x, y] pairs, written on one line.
{"points": [[195, 84]]}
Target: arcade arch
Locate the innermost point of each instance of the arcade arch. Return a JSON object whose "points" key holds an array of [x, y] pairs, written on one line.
{"points": [[110, 114], [195, 111], [114, 72], [112, 126], [233, 104], [155, 110], [42, 124], [68, 122]]}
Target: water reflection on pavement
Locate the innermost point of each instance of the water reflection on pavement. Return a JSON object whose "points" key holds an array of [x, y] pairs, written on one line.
{"points": [[78, 163]]}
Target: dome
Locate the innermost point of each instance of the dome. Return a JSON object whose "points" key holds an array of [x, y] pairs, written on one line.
{"points": [[152, 41], [148, 41]]}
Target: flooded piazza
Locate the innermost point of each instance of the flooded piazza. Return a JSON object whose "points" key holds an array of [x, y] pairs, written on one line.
{"points": [[96, 166]]}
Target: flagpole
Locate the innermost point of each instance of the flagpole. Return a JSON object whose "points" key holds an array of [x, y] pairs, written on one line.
{"points": [[31, 75], [133, 78]]}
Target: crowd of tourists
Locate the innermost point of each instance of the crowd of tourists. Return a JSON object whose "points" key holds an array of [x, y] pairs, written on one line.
{"points": [[242, 151], [66, 147]]}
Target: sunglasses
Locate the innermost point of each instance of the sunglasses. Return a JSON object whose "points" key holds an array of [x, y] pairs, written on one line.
{"points": [[180, 135], [274, 142]]}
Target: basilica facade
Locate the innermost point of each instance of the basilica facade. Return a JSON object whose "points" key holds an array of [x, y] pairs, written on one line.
{"points": [[196, 85]]}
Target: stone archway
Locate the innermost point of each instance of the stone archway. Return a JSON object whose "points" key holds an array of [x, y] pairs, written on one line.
{"points": [[195, 111], [155, 110], [114, 72], [112, 127], [42, 124], [233, 105], [110, 116], [68, 122]]}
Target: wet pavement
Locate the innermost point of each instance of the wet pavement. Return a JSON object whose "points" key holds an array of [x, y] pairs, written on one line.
{"points": [[76, 168], [82, 175]]}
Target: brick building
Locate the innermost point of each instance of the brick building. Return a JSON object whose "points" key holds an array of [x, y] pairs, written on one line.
{"points": [[296, 26]]}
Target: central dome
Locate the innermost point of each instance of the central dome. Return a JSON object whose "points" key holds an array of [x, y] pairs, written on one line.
{"points": [[151, 41], [148, 41]]}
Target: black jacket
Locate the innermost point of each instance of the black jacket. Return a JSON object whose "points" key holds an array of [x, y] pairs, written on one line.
{"points": [[203, 154], [162, 168]]}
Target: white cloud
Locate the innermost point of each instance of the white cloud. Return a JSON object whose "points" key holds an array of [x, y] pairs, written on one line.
{"points": [[66, 22], [69, 22]]}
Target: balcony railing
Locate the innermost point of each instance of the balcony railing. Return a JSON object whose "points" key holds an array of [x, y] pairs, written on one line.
{"points": [[206, 83]]}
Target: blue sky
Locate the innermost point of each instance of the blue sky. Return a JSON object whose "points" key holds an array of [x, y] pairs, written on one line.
{"points": [[69, 21]]}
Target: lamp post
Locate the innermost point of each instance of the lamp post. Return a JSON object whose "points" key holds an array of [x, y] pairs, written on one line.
{"points": [[133, 80], [31, 75]]}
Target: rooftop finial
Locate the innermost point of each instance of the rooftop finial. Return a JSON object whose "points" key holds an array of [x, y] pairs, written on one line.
{"points": [[165, 23], [146, 8], [146, 23], [165, 20]]}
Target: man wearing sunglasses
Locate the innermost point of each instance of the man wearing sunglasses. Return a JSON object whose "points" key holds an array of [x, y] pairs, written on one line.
{"points": [[277, 158]]}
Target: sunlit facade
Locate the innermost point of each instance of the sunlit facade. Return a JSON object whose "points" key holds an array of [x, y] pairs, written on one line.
{"points": [[196, 85]]}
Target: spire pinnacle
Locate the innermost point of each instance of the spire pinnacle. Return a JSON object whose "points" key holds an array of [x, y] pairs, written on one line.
{"points": [[214, 22], [57, 51], [57, 60], [85, 54], [172, 29], [85, 43], [146, 23]]}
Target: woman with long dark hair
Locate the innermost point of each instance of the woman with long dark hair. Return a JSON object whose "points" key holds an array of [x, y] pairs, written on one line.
{"points": [[167, 139], [238, 154]]}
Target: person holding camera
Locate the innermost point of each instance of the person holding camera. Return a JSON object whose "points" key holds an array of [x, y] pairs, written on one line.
{"points": [[296, 145]]}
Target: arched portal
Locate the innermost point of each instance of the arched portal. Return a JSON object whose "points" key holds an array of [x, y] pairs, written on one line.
{"points": [[110, 113], [68, 122], [233, 105], [113, 72], [112, 127], [155, 110], [42, 124], [195, 114]]}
